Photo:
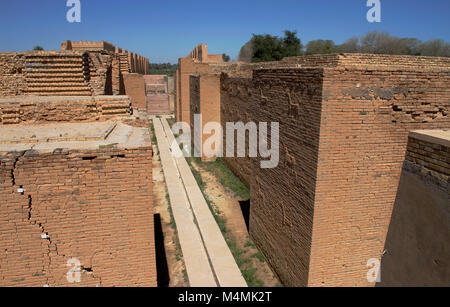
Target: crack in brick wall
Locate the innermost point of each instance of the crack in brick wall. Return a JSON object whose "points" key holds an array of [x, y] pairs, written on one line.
{"points": [[74, 208]]}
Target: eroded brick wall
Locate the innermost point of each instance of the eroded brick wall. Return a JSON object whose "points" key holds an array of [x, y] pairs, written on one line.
{"points": [[367, 115], [75, 205], [325, 210], [135, 88], [283, 198], [194, 84], [44, 110], [236, 106], [58, 73], [429, 155], [12, 74]]}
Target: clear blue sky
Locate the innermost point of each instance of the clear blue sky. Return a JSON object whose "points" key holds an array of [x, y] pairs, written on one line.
{"points": [[165, 30]]}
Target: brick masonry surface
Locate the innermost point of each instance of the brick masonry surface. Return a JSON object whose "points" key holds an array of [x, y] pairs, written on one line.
{"points": [[75, 204], [65, 73], [430, 155], [157, 95], [135, 88], [26, 110], [325, 211]]}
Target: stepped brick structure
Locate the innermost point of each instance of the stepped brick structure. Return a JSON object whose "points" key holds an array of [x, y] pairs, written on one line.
{"points": [[55, 73], [129, 61], [67, 218], [324, 212], [40, 110], [157, 94], [65, 152]]}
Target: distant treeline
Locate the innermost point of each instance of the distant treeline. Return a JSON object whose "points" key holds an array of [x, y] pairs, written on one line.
{"points": [[163, 69], [262, 48]]}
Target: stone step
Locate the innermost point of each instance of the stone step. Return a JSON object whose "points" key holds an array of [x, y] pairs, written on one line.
{"points": [[48, 79], [56, 57], [62, 91], [57, 84], [53, 88], [44, 66], [68, 93], [36, 75], [50, 70]]}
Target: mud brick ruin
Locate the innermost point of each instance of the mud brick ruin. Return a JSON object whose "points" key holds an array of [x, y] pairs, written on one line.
{"points": [[65, 199], [331, 204], [69, 139], [363, 171], [157, 92]]}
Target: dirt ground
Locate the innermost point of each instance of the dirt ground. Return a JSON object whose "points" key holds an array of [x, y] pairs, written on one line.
{"points": [[228, 204], [176, 275]]}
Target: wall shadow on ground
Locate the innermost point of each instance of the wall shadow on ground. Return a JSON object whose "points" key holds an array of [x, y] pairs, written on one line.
{"points": [[416, 252], [162, 268], [245, 208]]}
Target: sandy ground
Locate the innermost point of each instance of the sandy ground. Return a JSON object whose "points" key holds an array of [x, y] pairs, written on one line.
{"points": [[229, 206]]}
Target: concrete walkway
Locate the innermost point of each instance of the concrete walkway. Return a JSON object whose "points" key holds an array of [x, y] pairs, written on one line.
{"points": [[209, 261]]}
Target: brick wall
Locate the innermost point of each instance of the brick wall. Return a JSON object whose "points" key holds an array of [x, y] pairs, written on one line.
{"points": [[75, 205], [236, 105], [158, 98], [129, 62], [35, 110], [58, 73], [177, 94], [187, 67], [429, 153], [283, 198], [325, 211], [205, 100], [12, 74], [366, 118], [135, 88], [194, 84]]}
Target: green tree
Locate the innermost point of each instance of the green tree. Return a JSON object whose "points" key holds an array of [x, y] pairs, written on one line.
{"points": [[350, 46], [226, 58], [246, 52], [321, 47], [436, 47], [38, 48], [267, 48], [292, 45]]}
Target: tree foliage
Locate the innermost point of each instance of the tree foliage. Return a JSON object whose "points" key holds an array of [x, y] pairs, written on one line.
{"points": [[384, 43], [262, 48], [162, 69], [321, 47], [38, 48], [226, 58]]}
